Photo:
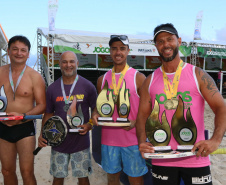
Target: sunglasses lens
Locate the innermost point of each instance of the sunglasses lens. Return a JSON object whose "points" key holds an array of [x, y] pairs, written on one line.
{"points": [[121, 37]]}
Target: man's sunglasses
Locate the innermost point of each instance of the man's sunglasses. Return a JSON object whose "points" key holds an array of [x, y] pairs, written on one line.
{"points": [[121, 37]]}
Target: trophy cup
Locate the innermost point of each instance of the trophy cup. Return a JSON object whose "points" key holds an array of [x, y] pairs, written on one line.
{"points": [[3, 100], [75, 118], [159, 134], [184, 131]]}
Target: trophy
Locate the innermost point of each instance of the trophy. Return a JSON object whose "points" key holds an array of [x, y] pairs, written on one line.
{"points": [[105, 107], [75, 118], [3, 99], [123, 104], [184, 131], [159, 134]]}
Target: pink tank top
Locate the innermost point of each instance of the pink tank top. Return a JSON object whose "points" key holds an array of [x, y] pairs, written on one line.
{"points": [[188, 89], [116, 136]]}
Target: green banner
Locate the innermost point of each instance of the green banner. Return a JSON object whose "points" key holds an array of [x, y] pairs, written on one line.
{"points": [[186, 51], [211, 52]]}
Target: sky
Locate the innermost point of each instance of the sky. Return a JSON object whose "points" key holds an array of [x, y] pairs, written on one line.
{"points": [[23, 17]]}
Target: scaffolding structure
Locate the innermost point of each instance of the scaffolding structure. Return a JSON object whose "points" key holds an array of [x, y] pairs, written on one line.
{"points": [[3, 47]]}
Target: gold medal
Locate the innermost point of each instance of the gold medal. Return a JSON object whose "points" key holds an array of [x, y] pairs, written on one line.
{"points": [[116, 87], [171, 89], [168, 104], [175, 102]]}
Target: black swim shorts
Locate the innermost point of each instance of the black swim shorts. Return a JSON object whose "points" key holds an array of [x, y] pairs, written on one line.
{"points": [[17, 132]]}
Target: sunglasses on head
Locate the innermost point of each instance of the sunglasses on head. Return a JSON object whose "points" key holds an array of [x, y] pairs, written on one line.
{"points": [[121, 37]]}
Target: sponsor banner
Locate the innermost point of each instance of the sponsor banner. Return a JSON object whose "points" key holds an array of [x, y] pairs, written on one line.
{"points": [[85, 61], [212, 63], [137, 62], [198, 25], [185, 51], [211, 52], [105, 61], [97, 48], [153, 62], [52, 9]]}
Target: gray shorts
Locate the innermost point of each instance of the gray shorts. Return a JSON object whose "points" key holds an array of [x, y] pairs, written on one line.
{"points": [[80, 164]]}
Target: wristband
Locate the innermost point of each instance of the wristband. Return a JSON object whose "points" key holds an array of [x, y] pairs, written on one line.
{"points": [[91, 123]]}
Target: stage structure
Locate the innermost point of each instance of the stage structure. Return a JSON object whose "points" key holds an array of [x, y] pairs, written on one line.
{"points": [[3, 47], [93, 52]]}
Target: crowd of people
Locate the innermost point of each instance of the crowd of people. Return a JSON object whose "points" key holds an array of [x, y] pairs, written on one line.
{"points": [[122, 148]]}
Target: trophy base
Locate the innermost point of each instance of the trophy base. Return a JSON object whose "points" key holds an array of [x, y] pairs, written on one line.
{"points": [[108, 121], [163, 149], [105, 119], [75, 130], [114, 124], [122, 120], [184, 148]]}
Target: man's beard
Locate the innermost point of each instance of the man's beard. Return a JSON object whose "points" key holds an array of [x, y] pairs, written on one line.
{"points": [[168, 59], [68, 74]]}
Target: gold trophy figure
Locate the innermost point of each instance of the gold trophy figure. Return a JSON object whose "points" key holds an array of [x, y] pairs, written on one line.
{"points": [[159, 134], [184, 131]]}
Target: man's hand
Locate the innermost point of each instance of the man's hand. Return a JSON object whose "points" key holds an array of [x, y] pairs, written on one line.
{"points": [[133, 122], [41, 141], [205, 147], [13, 122], [95, 116], [146, 147], [85, 128]]}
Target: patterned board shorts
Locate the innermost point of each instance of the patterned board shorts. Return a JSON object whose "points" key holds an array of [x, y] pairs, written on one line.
{"points": [[80, 164]]}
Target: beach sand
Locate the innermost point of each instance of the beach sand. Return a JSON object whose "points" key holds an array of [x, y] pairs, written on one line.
{"points": [[99, 177]]}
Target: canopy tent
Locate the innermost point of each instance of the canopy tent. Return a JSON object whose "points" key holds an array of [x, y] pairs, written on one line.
{"points": [[95, 46], [93, 51], [3, 47]]}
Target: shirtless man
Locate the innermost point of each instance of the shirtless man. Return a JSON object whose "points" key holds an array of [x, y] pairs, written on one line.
{"points": [[25, 92]]}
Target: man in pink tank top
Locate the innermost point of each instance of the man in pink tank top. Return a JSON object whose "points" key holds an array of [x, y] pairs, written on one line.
{"points": [[193, 86], [119, 149]]}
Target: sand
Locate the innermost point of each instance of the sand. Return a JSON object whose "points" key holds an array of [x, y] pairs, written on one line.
{"points": [[98, 177]]}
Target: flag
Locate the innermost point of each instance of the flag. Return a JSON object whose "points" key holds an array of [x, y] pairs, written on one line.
{"points": [[52, 9], [198, 25]]}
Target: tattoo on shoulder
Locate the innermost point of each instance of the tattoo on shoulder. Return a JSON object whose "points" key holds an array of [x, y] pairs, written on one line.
{"points": [[208, 81]]}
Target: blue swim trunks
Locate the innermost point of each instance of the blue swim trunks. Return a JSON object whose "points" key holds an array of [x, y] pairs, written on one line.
{"points": [[128, 159]]}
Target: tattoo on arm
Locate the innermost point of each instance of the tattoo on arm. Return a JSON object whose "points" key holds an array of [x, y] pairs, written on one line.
{"points": [[208, 81]]}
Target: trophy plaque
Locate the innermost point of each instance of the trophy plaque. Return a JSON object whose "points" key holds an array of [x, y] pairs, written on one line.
{"points": [[184, 131], [3, 99], [75, 118], [158, 134]]}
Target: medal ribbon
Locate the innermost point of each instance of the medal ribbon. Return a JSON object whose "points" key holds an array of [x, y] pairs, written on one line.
{"points": [[171, 90], [71, 90], [18, 80], [123, 72]]}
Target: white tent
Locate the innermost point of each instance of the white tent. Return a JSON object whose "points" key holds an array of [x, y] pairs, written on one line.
{"points": [[85, 42]]}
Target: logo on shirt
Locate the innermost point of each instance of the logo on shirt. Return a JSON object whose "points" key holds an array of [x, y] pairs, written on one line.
{"points": [[79, 97], [161, 98]]}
